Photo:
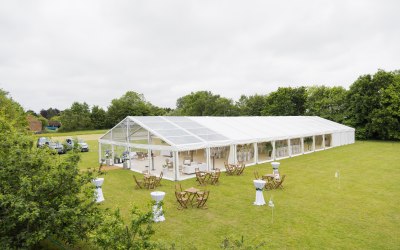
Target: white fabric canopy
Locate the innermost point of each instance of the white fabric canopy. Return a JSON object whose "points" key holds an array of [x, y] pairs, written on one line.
{"points": [[185, 133]]}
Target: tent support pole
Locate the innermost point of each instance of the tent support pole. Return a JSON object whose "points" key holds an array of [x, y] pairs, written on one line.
{"points": [[323, 141], [289, 148], [302, 145], [313, 142], [273, 150]]}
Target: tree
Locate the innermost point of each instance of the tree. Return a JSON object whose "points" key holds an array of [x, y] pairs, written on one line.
{"points": [[49, 113], [326, 102], [203, 103], [76, 118], [364, 104], [385, 121], [98, 117], [130, 104], [41, 194], [251, 105], [12, 111], [286, 101], [112, 233]]}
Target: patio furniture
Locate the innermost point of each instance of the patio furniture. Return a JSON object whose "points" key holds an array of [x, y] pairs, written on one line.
{"points": [[158, 214], [240, 169], [256, 176], [202, 199], [230, 169], [139, 184], [182, 199], [200, 177], [278, 183], [158, 179], [190, 169], [214, 179], [192, 192], [149, 181], [259, 184], [270, 181]]}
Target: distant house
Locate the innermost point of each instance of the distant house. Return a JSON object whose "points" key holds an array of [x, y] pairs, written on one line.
{"points": [[35, 125]]}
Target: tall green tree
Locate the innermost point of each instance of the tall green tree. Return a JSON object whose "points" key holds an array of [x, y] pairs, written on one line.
{"points": [[76, 118], [98, 118], [326, 102], [286, 101], [203, 103], [251, 105], [12, 110], [364, 104], [130, 104], [41, 194]]}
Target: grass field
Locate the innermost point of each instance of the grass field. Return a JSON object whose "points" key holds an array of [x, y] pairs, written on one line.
{"points": [[312, 212]]}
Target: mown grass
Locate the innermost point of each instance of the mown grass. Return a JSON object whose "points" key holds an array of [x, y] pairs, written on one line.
{"points": [[74, 133], [312, 212]]}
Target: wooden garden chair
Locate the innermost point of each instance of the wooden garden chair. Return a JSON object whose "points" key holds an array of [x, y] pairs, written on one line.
{"points": [[150, 182], [270, 182], [178, 188], [202, 198], [278, 183], [201, 179], [230, 170], [240, 169], [214, 179], [158, 179], [256, 175], [139, 184], [182, 198]]}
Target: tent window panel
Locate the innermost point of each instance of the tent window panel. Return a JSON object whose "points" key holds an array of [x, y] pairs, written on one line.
{"points": [[245, 153], [318, 142], [264, 151], [295, 146], [308, 144], [281, 148], [328, 140]]}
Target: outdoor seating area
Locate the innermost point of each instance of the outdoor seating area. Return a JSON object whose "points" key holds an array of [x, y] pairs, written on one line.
{"points": [[149, 181], [234, 169], [191, 197], [205, 177]]}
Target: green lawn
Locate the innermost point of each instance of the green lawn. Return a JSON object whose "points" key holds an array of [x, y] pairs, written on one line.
{"points": [[311, 212], [74, 133]]}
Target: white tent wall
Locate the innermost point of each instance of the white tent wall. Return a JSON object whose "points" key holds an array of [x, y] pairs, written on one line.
{"points": [[242, 138]]}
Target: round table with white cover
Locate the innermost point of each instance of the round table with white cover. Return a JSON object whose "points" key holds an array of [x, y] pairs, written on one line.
{"points": [[259, 184]]}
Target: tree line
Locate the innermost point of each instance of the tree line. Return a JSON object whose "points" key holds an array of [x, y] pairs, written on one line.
{"points": [[371, 105]]}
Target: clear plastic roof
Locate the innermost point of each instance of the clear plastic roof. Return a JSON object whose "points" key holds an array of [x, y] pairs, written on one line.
{"points": [[184, 131]]}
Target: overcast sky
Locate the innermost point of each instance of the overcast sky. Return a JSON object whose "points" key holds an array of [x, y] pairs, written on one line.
{"points": [[53, 53]]}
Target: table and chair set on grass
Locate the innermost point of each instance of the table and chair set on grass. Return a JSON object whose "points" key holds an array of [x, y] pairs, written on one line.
{"points": [[205, 177], [149, 181], [234, 169], [191, 197]]}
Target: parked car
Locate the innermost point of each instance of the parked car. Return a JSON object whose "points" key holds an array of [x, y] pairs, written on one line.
{"points": [[46, 142], [82, 145], [42, 141]]}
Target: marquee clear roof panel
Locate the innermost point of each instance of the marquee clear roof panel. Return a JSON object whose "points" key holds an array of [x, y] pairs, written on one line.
{"points": [[202, 131]]}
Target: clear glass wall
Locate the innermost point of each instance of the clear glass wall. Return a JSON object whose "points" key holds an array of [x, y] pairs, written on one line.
{"points": [[328, 140], [308, 144], [318, 142], [281, 148], [245, 153], [264, 151], [295, 146]]}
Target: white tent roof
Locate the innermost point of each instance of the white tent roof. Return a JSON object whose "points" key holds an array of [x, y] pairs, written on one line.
{"points": [[184, 132]]}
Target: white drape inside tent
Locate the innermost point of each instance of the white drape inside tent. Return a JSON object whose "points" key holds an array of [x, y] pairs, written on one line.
{"points": [[231, 158]]}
